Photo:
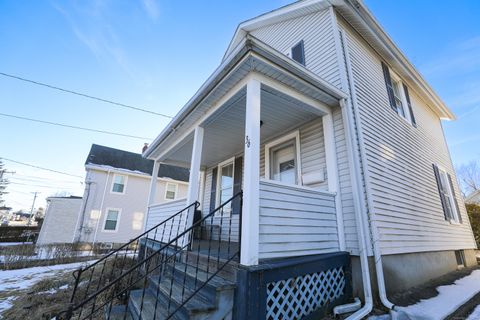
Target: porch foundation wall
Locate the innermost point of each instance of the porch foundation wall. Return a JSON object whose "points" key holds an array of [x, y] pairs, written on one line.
{"points": [[404, 271]]}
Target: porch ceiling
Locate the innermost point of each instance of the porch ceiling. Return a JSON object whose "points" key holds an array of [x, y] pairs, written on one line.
{"points": [[252, 57], [225, 129]]}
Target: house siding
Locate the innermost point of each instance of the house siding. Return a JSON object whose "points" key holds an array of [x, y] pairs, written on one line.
{"points": [[133, 205], [401, 185], [316, 30], [60, 221]]}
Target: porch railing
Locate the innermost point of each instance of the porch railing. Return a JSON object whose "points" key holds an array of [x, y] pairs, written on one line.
{"points": [[177, 271], [89, 280]]}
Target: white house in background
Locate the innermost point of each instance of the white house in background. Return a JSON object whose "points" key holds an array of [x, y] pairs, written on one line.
{"points": [[60, 220], [117, 191], [337, 143], [473, 197]]}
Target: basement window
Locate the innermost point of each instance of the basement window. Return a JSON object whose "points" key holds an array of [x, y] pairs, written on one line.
{"points": [[298, 53], [460, 256]]}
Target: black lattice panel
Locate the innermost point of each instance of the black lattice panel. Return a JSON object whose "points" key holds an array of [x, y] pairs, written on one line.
{"points": [[297, 297]]}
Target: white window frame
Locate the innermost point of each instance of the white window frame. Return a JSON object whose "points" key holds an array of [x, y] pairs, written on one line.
{"points": [[124, 183], [166, 190], [118, 219], [455, 213], [396, 80], [294, 135], [219, 180]]}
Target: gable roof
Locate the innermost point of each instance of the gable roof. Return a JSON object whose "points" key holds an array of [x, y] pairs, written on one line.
{"points": [[360, 18], [473, 197], [121, 159]]}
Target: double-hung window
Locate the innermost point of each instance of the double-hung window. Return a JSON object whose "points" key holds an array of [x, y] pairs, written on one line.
{"points": [[111, 220], [447, 195], [398, 95], [171, 191], [282, 159], [119, 182], [225, 184]]}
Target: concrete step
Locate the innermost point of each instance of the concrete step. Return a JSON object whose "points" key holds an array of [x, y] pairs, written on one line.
{"points": [[211, 264]]}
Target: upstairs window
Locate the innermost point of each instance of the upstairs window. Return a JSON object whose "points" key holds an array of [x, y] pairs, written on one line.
{"points": [[298, 53], [447, 194], [398, 95], [119, 182], [111, 220], [171, 191]]}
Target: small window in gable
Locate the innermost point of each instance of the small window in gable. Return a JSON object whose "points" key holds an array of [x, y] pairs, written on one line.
{"points": [[119, 182], [298, 53], [398, 95], [171, 191]]}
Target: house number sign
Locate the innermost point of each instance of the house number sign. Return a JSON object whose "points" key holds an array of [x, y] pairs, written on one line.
{"points": [[247, 141]]}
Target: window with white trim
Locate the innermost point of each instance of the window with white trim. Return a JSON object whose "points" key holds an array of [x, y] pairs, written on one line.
{"points": [[225, 184], [111, 220], [171, 191], [282, 159], [118, 184]]}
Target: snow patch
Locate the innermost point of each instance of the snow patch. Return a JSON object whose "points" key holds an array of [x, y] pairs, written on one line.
{"points": [[23, 278], [449, 299], [475, 315], [6, 304]]}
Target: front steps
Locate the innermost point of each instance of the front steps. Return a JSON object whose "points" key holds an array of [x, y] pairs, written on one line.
{"points": [[214, 299]]}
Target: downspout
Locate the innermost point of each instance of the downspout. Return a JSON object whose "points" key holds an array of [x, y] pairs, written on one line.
{"points": [[81, 218], [372, 225], [101, 209], [350, 135]]}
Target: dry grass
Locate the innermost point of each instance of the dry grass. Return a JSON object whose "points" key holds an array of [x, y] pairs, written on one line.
{"points": [[48, 297]]}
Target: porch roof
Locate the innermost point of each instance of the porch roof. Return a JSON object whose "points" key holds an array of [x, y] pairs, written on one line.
{"points": [[251, 55]]}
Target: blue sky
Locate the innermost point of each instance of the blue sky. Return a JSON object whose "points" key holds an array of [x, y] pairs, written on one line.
{"points": [[156, 54]]}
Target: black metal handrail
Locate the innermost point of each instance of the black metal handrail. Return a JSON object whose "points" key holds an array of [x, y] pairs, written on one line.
{"points": [[118, 259], [164, 262]]}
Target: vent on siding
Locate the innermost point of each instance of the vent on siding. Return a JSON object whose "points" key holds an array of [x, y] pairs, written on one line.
{"points": [[298, 53]]}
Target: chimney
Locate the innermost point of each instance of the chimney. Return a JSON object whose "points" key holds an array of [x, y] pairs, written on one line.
{"points": [[145, 146]]}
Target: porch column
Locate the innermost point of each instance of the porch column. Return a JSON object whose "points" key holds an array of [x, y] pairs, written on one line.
{"points": [[332, 174], [194, 180], [251, 202], [153, 191]]}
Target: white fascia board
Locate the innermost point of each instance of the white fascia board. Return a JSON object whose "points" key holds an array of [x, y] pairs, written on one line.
{"points": [[131, 173]]}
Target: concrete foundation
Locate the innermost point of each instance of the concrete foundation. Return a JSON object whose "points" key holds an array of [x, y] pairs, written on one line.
{"points": [[403, 271]]}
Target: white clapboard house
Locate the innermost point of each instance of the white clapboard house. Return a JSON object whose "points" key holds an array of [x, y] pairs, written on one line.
{"points": [[314, 148]]}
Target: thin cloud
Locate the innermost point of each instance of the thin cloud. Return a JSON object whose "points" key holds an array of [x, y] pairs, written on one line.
{"points": [[151, 8]]}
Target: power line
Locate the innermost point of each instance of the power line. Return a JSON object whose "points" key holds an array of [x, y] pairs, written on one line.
{"points": [[41, 186], [38, 167], [118, 104], [42, 180], [74, 127], [26, 176]]}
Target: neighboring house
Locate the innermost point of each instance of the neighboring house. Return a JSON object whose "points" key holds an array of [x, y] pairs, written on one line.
{"points": [[473, 197], [331, 144], [116, 194], [60, 220]]}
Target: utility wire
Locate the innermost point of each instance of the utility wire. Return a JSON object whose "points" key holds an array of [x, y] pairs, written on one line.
{"points": [[41, 186], [118, 104], [37, 167], [26, 176], [42, 180], [73, 127]]}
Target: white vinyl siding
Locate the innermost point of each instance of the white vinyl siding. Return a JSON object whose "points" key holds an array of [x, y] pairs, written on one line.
{"points": [[295, 221], [161, 212], [401, 184], [319, 45]]}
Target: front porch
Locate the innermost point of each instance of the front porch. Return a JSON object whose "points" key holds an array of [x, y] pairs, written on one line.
{"points": [[278, 147]]}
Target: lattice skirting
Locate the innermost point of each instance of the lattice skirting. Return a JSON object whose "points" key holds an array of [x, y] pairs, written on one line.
{"points": [[297, 297]]}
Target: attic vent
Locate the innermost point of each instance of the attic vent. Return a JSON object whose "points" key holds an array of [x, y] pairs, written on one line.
{"points": [[298, 53]]}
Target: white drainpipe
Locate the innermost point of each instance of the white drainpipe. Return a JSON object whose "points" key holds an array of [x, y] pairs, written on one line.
{"points": [[101, 209], [372, 227]]}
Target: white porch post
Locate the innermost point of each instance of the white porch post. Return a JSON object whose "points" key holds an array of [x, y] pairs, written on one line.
{"points": [[332, 174], [251, 202], [194, 180], [153, 191]]}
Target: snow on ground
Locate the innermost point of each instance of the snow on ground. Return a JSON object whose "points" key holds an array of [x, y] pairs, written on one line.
{"points": [[23, 278], [6, 244], [449, 299], [475, 315], [6, 304]]}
